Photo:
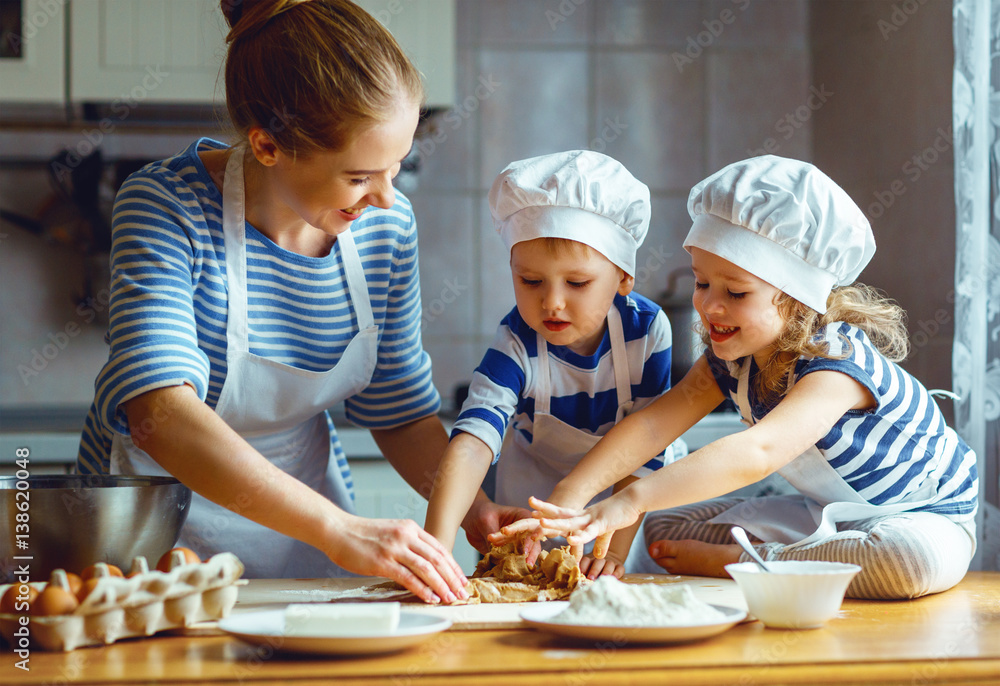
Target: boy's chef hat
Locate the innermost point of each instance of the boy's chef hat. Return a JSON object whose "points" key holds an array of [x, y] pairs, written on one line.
{"points": [[785, 222], [579, 195]]}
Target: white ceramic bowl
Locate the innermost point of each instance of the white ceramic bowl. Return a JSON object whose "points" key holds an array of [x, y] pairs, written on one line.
{"points": [[796, 594]]}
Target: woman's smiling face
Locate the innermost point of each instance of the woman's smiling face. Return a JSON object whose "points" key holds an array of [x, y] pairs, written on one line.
{"points": [[737, 308], [329, 190]]}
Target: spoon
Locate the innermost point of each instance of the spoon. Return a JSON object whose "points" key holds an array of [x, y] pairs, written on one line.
{"points": [[741, 537]]}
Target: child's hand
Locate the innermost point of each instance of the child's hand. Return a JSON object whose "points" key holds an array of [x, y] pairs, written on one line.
{"points": [[597, 523], [527, 532], [608, 566], [486, 520]]}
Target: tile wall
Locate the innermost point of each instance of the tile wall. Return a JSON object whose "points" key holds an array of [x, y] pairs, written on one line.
{"points": [[647, 82], [674, 89]]}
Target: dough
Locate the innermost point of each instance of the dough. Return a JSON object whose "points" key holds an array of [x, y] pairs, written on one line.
{"points": [[503, 576]]}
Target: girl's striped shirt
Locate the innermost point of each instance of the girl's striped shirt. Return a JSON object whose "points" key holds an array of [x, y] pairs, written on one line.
{"points": [[898, 451]]}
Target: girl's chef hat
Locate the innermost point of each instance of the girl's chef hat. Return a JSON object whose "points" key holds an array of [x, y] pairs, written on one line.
{"points": [[785, 222], [578, 195]]}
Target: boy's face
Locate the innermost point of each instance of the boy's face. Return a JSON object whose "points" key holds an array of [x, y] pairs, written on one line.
{"points": [[565, 293], [737, 308]]}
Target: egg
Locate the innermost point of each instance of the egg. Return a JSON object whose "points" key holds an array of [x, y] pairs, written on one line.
{"points": [[92, 571], [190, 557], [13, 604], [75, 582], [88, 586], [54, 601]]}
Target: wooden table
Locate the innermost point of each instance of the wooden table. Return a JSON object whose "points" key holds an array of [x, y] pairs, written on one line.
{"points": [[952, 637]]}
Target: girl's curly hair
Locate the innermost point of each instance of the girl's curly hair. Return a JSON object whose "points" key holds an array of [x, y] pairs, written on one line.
{"points": [[881, 318]]}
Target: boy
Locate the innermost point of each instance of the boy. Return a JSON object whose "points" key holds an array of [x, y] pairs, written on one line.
{"points": [[574, 356]]}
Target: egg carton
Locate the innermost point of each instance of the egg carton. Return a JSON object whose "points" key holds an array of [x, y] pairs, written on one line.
{"points": [[141, 605]]}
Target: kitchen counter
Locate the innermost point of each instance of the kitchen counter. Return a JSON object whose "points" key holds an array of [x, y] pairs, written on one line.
{"points": [[951, 637]]}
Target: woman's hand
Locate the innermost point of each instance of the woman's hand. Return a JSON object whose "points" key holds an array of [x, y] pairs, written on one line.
{"points": [[400, 550], [597, 523]]}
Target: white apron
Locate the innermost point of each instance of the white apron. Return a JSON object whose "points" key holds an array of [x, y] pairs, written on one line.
{"points": [[277, 408], [527, 469], [825, 499]]}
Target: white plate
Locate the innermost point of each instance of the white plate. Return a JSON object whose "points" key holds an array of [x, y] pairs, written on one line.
{"points": [[267, 628], [542, 618]]}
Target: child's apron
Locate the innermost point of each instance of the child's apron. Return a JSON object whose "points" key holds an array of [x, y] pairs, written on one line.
{"points": [[534, 468], [277, 408], [825, 499]]}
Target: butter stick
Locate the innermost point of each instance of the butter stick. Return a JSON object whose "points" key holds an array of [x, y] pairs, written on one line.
{"points": [[341, 619]]}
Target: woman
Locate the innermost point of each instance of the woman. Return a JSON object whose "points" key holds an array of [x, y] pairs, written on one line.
{"points": [[256, 286]]}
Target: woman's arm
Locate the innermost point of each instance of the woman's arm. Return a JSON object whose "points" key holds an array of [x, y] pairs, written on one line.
{"points": [[194, 444], [809, 411]]}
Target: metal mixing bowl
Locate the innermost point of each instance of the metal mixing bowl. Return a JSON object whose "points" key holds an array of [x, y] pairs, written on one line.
{"points": [[76, 520]]}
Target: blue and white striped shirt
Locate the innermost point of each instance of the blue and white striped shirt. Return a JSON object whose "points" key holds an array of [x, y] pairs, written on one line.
{"points": [[168, 308], [584, 394], [893, 453]]}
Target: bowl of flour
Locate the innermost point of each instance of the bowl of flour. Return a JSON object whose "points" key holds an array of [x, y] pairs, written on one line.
{"points": [[609, 609]]}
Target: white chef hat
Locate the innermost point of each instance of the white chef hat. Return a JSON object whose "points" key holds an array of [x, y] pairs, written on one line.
{"points": [[578, 195], [785, 222]]}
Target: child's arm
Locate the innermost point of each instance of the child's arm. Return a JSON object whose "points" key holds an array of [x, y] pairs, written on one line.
{"points": [[456, 486], [803, 417], [630, 443]]}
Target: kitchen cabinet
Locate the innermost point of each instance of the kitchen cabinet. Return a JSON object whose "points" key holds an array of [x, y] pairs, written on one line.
{"points": [[126, 52], [171, 51], [33, 56]]}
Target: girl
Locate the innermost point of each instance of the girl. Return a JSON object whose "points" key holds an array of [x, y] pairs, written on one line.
{"points": [[257, 285], [810, 361]]}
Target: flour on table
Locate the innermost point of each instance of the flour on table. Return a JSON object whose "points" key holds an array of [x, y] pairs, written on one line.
{"points": [[610, 602]]}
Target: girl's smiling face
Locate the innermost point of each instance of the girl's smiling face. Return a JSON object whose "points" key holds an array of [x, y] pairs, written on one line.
{"points": [[737, 308], [565, 293]]}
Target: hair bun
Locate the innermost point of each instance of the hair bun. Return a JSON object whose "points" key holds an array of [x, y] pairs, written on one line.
{"points": [[247, 17]]}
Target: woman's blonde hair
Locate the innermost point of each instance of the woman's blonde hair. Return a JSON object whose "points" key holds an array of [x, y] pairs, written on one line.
{"points": [[882, 319], [311, 72]]}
